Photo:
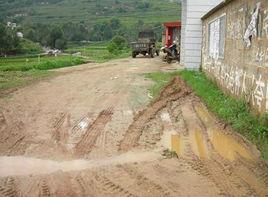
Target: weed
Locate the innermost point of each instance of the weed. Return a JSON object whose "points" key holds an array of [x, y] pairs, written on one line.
{"points": [[168, 154]]}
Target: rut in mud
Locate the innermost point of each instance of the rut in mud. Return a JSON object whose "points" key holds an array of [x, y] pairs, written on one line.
{"points": [[116, 144], [175, 90]]}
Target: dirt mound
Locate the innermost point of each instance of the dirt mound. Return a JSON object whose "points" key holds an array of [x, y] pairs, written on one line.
{"points": [[175, 90]]}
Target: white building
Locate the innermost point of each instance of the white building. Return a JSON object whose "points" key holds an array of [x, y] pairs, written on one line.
{"points": [[19, 34], [191, 31]]}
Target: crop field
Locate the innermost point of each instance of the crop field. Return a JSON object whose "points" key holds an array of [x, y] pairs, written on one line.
{"points": [[18, 71], [96, 52]]}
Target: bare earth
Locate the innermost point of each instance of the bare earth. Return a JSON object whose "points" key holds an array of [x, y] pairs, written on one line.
{"points": [[92, 131]]}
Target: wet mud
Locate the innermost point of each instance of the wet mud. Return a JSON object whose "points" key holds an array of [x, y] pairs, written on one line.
{"points": [[107, 146]]}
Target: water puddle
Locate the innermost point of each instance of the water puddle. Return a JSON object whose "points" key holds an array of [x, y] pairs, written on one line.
{"points": [[175, 144], [224, 144], [201, 148]]}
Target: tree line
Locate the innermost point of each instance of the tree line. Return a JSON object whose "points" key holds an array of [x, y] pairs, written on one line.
{"points": [[58, 35]]}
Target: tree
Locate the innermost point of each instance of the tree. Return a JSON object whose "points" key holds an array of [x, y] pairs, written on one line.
{"points": [[9, 42], [55, 34], [117, 44], [61, 43]]}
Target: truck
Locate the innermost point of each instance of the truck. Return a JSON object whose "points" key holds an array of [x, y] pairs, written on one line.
{"points": [[146, 44]]}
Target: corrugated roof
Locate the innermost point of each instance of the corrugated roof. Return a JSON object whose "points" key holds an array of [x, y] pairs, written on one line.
{"points": [[215, 9]]}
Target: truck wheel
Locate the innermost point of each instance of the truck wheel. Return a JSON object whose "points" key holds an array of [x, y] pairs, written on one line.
{"points": [[169, 60], [151, 54], [134, 55]]}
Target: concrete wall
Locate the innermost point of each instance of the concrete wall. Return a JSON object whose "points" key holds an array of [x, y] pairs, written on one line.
{"points": [[191, 32], [243, 70]]}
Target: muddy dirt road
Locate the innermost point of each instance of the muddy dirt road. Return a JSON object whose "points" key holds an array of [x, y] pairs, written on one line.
{"points": [[92, 131]]}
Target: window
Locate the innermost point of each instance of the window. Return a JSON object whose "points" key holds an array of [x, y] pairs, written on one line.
{"points": [[217, 37]]}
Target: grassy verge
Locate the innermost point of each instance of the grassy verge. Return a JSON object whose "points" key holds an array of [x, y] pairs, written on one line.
{"points": [[161, 79], [234, 112]]}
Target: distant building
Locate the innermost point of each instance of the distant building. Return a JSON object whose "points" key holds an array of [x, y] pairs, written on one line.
{"points": [[11, 25], [191, 31], [19, 34], [171, 33]]}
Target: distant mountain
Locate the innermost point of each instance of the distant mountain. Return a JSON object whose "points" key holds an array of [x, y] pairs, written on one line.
{"points": [[89, 11]]}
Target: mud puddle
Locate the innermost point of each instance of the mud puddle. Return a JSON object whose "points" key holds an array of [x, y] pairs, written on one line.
{"points": [[206, 137]]}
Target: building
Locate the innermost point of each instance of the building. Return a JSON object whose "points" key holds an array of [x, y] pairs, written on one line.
{"points": [[12, 25], [172, 32], [19, 34], [235, 49], [191, 32]]}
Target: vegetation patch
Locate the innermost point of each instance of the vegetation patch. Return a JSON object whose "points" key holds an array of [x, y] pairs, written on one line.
{"points": [[235, 112], [19, 71], [161, 80], [14, 79], [99, 52], [38, 63]]}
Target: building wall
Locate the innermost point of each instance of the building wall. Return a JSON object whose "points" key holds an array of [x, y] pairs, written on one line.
{"points": [[243, 70], [191, 32]]}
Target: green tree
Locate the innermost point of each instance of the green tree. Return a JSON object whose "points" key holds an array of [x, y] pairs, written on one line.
{"points": [[117, 44], [55, 34]]}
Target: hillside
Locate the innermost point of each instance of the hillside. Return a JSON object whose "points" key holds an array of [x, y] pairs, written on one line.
{"points": [[90, 11]]}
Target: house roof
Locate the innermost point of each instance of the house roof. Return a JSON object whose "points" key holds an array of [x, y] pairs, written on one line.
{"points": [[215, 9], [172, 24]]}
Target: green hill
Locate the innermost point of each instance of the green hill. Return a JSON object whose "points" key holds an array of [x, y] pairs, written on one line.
{"points": [[89, 11]]}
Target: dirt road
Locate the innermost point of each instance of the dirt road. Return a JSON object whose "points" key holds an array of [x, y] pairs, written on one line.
{"points": [[92, 131]]}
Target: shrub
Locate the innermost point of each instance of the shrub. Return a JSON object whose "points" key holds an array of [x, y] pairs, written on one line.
{"points": [[117, 44]]}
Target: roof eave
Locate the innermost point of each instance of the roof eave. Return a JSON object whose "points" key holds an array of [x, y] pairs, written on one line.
{"points": [[215, 9]]}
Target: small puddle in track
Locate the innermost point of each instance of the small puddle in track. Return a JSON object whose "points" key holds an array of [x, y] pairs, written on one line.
{"points": [[201, 147], [224, 144], [175, 144], [227, 147]]}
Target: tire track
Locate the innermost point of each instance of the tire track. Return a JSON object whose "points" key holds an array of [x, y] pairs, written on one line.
{"points": [[12, 139], [112, 188], [144, 182], [175, 90], [57, 128], [86, 144], [44, 189], [84, 186], [10, 188]]}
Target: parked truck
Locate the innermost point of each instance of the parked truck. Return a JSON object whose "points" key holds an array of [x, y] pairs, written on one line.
{"points": [[146, 44]]}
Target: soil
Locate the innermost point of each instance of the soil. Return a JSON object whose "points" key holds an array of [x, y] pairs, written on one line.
{"points": [[93, 131]]}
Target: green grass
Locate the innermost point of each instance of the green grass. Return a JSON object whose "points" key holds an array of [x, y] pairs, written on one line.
{"points": [[97, 52], [235, 112], [33, 62], [21, 70], [161, 80], [14, 79]]}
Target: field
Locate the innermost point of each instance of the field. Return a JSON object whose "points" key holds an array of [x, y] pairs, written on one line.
{"points": [[20, 70], [90, 12], [96, 52]]}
